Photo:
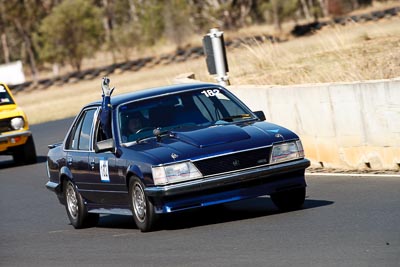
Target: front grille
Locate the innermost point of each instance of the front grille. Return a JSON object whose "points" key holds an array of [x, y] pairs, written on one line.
{"points": [[233, 162], [5, 125]]}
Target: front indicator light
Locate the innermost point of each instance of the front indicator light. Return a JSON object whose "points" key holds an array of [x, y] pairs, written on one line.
{"points": [[15, 140], [300, 148]]}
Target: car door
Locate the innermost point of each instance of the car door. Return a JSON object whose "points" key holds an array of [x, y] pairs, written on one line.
{"points": [[77, 148], [106, 178]]}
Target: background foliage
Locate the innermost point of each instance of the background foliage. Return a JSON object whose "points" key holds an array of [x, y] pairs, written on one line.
{"points": [[41, 32]]}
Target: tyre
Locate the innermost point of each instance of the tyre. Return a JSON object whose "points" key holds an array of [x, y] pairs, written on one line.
{"points": [[289, 200], [142, 209], [25, 154], [76, 209]]}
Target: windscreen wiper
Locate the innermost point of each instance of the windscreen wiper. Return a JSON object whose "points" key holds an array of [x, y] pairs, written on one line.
{"points": [[240, 116], [143, 138]]}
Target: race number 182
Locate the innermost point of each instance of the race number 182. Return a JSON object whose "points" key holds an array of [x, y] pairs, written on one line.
{"points": [[210, 92]]}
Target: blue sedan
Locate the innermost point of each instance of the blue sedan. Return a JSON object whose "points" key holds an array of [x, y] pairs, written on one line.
{"points": [[173, 148]]}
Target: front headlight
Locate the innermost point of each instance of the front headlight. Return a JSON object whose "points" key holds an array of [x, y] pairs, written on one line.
{"points": [[17, 123], [175, 173], [287, 151]]}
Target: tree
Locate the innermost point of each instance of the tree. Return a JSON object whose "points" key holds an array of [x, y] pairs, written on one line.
{"points": [[340, 7], [151, 21], [6, 51], [324, 7], [19, 20], [280, 10], [177, 26], [71, 32], [108, 23], [306, 9], [227, 14]]}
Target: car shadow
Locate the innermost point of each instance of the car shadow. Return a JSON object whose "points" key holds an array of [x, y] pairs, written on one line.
{"points": [[8, 162], [116, 221], [241, 210]]}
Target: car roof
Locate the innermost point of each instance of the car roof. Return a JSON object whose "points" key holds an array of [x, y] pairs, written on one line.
{"points": [[153, 92]]}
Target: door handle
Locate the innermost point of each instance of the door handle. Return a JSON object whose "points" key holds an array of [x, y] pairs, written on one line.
{"points": [[92, 164], [69, 160]]}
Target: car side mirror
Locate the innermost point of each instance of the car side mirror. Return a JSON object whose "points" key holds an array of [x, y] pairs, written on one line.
{"points": [[105, 145], [260, 114]]}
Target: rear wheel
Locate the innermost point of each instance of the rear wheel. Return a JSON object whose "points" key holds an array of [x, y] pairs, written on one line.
{"points": [[289, 200], [25, 154], [76, 209], [142, 209]]}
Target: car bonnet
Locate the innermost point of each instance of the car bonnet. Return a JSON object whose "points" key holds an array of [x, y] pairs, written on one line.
{"points": [[204, 142]]}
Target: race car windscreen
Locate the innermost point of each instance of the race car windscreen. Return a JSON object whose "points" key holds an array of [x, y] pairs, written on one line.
{"points": [[5, 98], [195, 108]]}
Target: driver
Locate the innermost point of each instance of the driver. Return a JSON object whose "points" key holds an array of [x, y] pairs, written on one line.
{"points": [[135, 123]]}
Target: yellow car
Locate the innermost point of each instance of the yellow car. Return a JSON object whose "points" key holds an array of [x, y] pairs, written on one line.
{"points": [[15, 137]]}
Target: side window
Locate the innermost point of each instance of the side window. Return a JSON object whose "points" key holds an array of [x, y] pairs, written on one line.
{"points": [[84, 139], [75, 140], [79, 138]]}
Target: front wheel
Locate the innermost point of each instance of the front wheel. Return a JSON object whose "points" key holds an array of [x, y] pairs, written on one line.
{"points": [[142, 209], [76, 209], [289, 200]]}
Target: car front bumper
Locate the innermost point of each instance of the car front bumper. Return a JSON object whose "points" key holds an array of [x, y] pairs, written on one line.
{"points": [[13, 139], [54, 187], [229, 187]]}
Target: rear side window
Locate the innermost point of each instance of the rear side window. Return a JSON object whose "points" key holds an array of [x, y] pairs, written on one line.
{"points": [[79, 138]]}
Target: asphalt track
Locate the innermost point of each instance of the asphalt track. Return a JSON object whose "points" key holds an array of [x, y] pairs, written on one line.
{"points": [[346, 221]]}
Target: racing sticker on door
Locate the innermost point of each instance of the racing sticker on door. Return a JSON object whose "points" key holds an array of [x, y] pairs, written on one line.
{"points": [[105, 176]]}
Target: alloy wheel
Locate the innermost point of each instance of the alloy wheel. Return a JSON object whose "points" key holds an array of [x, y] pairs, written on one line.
{"points": [[72, 201], [139, 202]]}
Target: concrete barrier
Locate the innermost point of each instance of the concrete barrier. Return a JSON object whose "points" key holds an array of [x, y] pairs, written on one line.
{"points": [[342, 125]]}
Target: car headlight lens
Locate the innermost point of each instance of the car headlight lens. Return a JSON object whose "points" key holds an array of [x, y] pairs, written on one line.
{"points": [[17, 123], [175, 173], [287, 151]]}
